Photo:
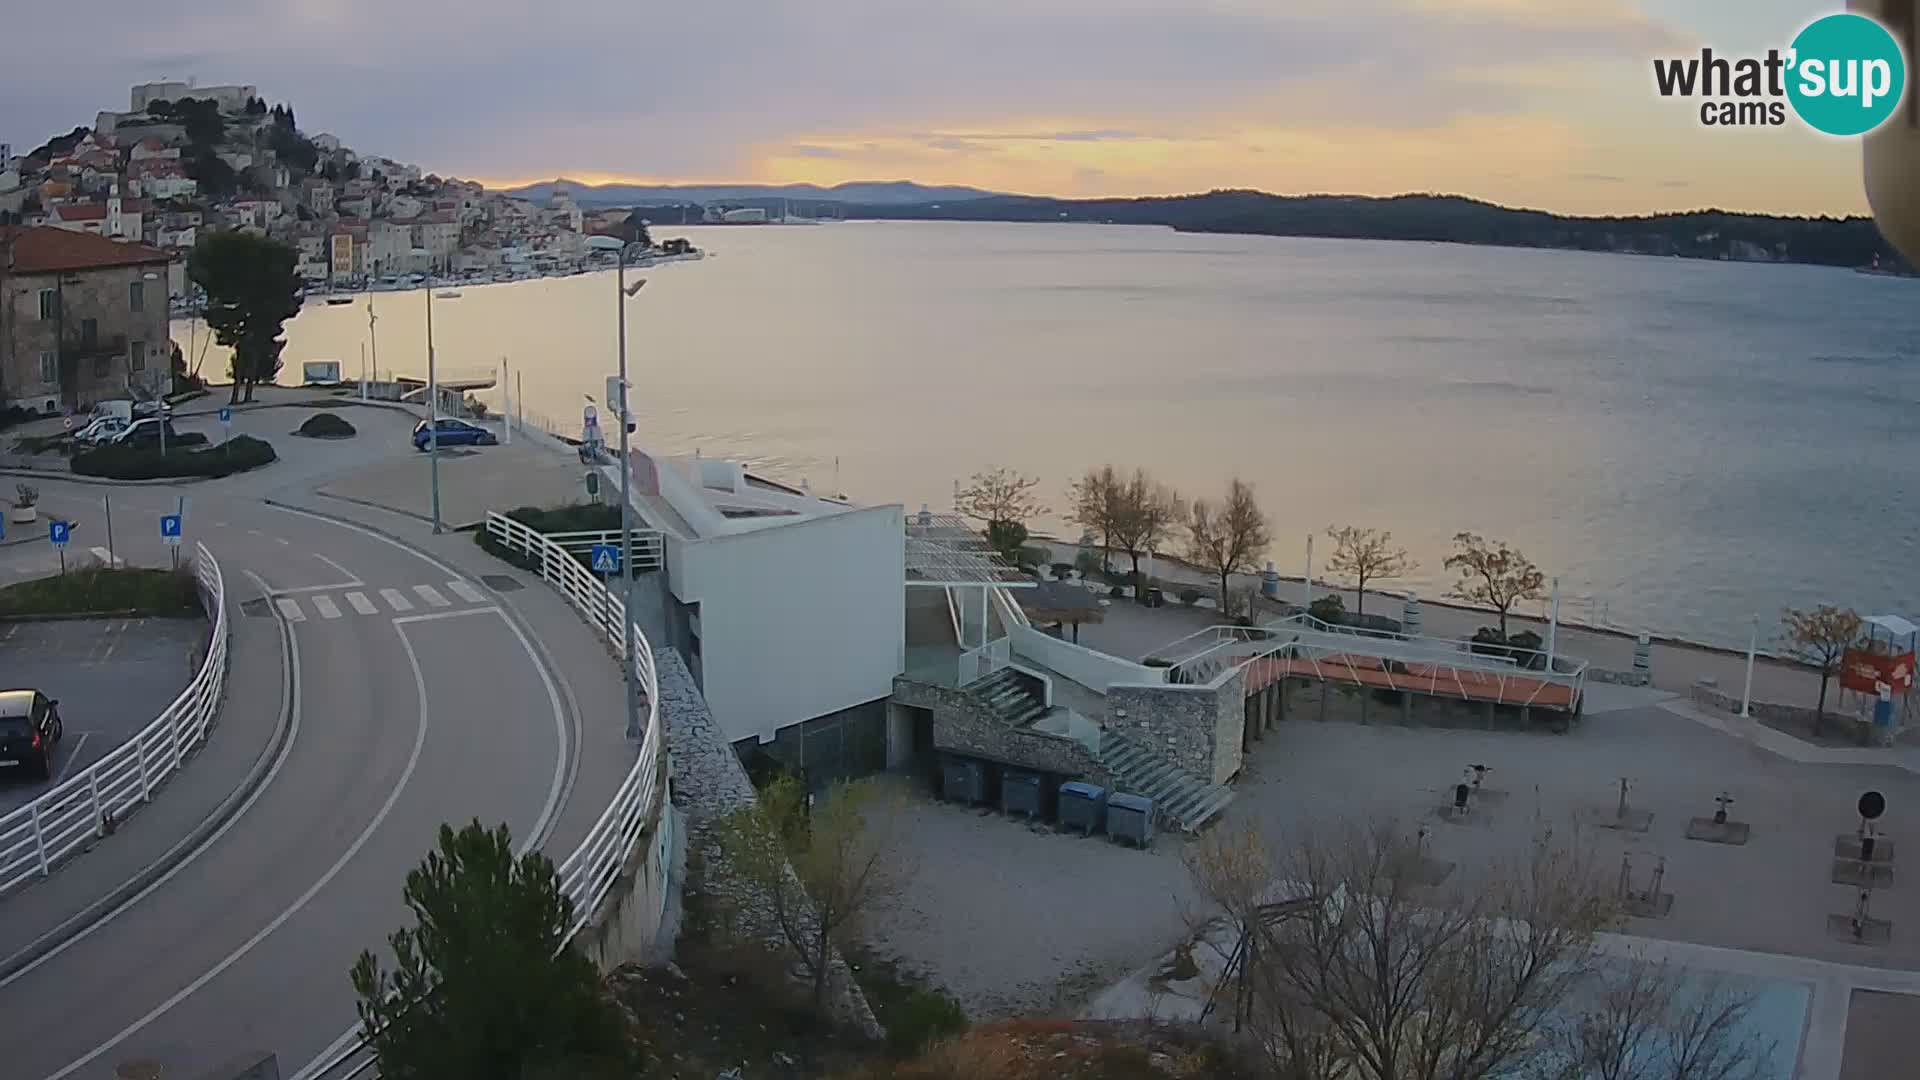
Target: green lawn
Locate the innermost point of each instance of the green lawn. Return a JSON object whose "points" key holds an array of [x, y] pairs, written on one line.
{"points": [[142, 592]]}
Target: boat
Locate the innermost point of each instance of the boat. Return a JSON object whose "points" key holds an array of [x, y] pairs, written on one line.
{"points": [[339, 301], [447, 294]]}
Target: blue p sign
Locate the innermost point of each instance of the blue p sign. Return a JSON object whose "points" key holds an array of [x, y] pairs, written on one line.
{"points": [[57, 532], [606, 559], [170, 528], [226, 415]]}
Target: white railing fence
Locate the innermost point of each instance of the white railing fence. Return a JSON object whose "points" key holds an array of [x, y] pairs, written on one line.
{"points": [[649, 550], [589, 873], [981, 661], [92, 802]]}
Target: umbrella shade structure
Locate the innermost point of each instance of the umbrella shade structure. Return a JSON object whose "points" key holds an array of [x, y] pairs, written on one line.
{"points": [[1063, 603]]}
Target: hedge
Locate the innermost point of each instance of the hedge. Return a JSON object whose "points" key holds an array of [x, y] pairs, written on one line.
{"points": [[144, 592], [238, 454], [325, 425]]}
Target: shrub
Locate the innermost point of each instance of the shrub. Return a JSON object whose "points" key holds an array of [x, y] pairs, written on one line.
{"points": [[1329, 609], [1007, 538], [1526, 648], [238, 454], [1087, 563], [144, 592], [1117, 591], [920, 1018], [573, 517], [325, 425], [1062, 570], [25, 495]]}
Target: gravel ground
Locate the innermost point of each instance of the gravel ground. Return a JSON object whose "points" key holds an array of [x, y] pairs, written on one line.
{"points": [[1011, 919]]}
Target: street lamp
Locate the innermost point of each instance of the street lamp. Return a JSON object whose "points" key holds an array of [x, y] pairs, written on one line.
{"points": [[433, 411], [624, 293]]}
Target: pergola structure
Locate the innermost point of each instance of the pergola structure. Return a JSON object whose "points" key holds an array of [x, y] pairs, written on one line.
{"points": [[945, 551]]}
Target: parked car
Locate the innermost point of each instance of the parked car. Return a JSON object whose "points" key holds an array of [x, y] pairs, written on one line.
{"points": [[102, 429], [30, 728], [452, 432], [146, 432]]}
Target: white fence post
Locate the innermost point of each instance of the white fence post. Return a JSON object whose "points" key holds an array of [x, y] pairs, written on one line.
{"points": [[140, 757], [39, 837], [99, 812]]}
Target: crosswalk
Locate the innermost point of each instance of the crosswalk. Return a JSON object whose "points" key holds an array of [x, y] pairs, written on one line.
{"points": [[325, 607]]}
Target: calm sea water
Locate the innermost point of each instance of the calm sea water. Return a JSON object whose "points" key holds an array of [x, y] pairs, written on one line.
{"points": [[1685, 444]]}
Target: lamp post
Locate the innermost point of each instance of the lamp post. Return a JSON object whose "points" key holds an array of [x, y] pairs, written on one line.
{"points": [[622, 295], [433, 411]]}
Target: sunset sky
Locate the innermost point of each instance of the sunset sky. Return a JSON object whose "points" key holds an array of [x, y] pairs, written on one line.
{"points": [[1545, 103]]}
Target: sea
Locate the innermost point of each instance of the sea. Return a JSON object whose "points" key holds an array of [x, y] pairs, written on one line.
{"points": [[1684, 445]]}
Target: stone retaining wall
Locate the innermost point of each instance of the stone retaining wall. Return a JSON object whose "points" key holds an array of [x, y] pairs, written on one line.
{"points": [[1198, 728], [963, 724]]}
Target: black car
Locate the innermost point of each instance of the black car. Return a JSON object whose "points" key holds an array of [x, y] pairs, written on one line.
{"points": [[29, 729]]}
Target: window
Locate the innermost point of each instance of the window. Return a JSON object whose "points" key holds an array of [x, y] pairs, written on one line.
{"points": [[137, 296], [89, 333], [102, 365], [49, 368], [49, 305], [137, 355]]}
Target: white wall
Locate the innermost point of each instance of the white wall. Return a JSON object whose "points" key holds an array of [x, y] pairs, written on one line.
{"points": [[1093, 670], [799, 620]]}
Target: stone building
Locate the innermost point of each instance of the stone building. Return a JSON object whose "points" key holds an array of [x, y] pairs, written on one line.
{"points": [[82, 319]]}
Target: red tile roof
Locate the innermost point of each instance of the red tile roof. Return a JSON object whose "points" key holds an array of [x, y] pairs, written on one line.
{"points": [[79, 211], [45, 249]]}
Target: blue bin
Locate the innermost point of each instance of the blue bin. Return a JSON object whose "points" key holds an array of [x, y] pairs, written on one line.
{"points": [[1083, 806], [1130, 817]]}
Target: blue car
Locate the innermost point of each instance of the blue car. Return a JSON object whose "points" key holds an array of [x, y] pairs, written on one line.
{"points": [[452, 433]]}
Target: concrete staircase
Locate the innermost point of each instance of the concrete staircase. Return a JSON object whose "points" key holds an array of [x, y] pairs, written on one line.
{"points": [[1011, 697], [1177, 795]]}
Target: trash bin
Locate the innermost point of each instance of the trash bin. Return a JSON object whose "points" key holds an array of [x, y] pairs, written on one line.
{"points": [[1020, 793], [1156, 598], [1130, 817], [1083, 806], [963, 781]]}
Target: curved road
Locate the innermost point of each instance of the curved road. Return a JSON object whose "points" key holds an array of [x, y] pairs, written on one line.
{"points": [[413, 701]]}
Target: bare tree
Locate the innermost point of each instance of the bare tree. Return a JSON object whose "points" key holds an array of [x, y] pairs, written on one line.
{"points": [[1228, 538], [1094, 505], [1145, 515], [1821, 637], [1640, 1019], [1365, 555], [1000, 494], [1381, 976], [819, 870], [1492, 574]]}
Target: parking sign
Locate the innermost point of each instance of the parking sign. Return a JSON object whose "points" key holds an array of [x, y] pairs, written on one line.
{"points": [[170, 529], [57, 532], [226, 415]]}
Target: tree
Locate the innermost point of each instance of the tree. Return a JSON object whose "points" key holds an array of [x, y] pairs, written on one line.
{"points": [[252, 290], [1144, 516], [485, 986], [1006, 538], [1360, 968], [1492, 574], [820, 869], [1094, 505], [1000, 494], [1821, 637], [1228, 538], [1651, 1020], [1364, 555]]}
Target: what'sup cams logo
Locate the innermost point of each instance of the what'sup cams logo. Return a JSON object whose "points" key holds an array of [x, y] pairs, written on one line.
{"points": [[1844, 75]]}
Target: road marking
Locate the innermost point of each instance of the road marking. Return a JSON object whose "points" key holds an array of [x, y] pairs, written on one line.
{"points": [[435, 616], [396, 600], [284, 540], [352, 578], [325, 605], [255, 532], [466, 592], [72, 757], [289, 715], [432, 596], [335, 587], [247, 946], [361, 604], [291, 609]]}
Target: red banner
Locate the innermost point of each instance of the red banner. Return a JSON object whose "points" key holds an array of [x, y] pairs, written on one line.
{"points": [[1868, 671]]}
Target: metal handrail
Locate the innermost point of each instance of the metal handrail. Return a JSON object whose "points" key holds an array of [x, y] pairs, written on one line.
{"points": [[91, 803], [649, 548], [589, 874]]}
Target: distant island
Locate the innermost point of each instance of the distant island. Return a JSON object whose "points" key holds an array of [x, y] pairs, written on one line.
{"points": [[1694, 234]]}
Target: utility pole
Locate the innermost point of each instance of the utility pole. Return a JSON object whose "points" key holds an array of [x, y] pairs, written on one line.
{"points": [[433, 414]]}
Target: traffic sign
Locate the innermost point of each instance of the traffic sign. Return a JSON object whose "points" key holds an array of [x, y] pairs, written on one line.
{"points": [[170, 529], [606, 559], [57, 532], [226, 415]]}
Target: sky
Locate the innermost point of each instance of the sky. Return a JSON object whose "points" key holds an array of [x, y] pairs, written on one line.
{"points": [[1538, 103]]}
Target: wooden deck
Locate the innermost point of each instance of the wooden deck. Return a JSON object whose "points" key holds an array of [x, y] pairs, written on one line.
{"points": [[1437, 680]]}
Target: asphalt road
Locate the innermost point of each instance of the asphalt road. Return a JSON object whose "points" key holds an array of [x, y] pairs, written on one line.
{"points": [[416, 702], [111, 677]]}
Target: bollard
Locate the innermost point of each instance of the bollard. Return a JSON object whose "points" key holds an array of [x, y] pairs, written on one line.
{"points": [[1410, 614], [1270, 582], [1643, 655]]}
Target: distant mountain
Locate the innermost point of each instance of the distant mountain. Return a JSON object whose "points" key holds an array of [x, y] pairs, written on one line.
{"points": [[1698, 234], [865, 192]]}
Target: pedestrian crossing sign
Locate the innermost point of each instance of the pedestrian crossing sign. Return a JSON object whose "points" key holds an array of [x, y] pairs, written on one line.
{"points": [[606, 559]]}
